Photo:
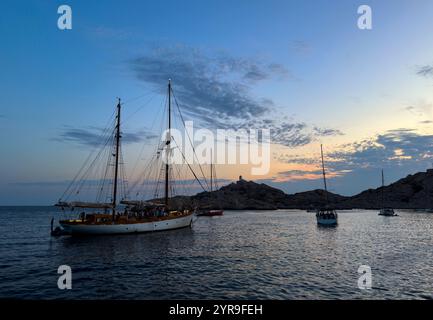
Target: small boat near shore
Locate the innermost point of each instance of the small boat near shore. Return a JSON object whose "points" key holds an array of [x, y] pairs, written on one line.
{"points": [[213, 184], [210, 213], [326, 216], [388, 212], [385, 211]]}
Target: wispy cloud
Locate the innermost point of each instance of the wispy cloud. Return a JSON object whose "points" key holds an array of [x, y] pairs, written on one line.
{"points": [[390, 149], [217, 90], [93, 137], [293, 175], [425, 71], [422, 110], [212, 87], [300, 46], [324, 132]]}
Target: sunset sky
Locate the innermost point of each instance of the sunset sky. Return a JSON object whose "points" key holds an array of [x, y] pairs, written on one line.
{"points": [[302, 69]]}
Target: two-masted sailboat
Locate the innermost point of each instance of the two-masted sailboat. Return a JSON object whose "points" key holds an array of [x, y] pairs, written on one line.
{"points": [[385, 211], [326, 216], [135, 216]]}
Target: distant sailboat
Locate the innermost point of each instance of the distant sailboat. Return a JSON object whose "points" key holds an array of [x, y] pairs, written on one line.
{"points": [[326, 216], [211, 212], [137, 216], [385, 211]]}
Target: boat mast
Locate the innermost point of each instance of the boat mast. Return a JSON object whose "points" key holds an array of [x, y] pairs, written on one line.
{"points": [[211, 171], [116, 167], [383, 187], [324, 175], [167, 143]]}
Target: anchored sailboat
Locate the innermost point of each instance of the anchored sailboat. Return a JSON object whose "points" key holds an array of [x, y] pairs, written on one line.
{"points": [[326, 216], [136, 215], [213, 186], [385, 211]]}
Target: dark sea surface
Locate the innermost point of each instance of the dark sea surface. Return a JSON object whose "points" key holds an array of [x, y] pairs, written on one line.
{"points": [[242, 255]]}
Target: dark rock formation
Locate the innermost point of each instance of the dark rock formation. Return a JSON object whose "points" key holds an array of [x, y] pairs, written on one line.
{"points": [[413, 192], [244, 195]]}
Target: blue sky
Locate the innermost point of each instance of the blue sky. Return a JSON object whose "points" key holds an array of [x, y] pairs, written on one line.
{"points": [[311, 64]]}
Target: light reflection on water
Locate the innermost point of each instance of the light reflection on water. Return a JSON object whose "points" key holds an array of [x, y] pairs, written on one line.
{"points": [[242, 255]]}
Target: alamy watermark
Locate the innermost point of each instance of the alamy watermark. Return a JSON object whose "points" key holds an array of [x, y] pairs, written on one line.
{"points": [[365, 281], [64, 22], [65, 280], [365, 20], [223, 146]]}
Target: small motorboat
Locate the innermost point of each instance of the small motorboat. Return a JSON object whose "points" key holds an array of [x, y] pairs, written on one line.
{"points": [[389, 212], [327, 217]]}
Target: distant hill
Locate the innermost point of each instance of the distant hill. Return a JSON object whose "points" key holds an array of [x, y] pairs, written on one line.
{"points": [[413, 192], [313, 199], [243, 195]]}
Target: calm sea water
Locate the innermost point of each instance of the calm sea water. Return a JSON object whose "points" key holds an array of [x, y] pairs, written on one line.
{"points": [[241, 255]]}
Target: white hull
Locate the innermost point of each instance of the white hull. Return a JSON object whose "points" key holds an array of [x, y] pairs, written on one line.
{"points": [[100, 229]]}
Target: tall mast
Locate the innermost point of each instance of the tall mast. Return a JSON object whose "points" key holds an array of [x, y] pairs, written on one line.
{"points": [[116, 168], [211, 170], [324, 175], [383, 187], [167, 143]]}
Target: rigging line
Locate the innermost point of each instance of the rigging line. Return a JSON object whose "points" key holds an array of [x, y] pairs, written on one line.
{"points": [[105, 136], [185, 181], [146, 177], [124, 182], [86, 162], [139, 96], [189, 138], [144, 174], [182, 176], [158, 168], [144, 144], [74, 180], [215, 176], [138, 109], [104, 180], [189, 166], [107, 167], [82, 180]]}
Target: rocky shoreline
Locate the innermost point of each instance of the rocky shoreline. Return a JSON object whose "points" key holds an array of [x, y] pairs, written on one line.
{"points": [[412, 192]]}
